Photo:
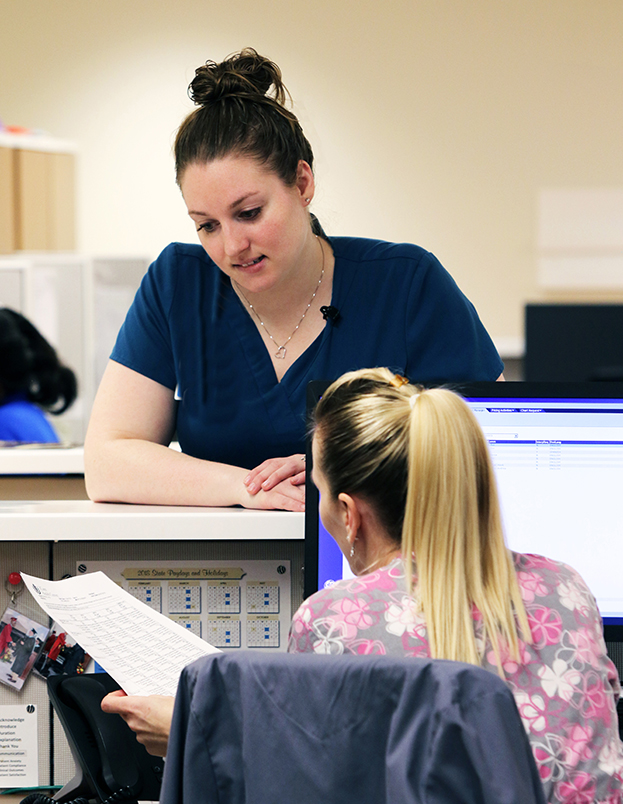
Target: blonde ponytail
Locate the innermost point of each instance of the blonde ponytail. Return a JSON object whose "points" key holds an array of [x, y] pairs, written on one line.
{"points": [[453, 530]]}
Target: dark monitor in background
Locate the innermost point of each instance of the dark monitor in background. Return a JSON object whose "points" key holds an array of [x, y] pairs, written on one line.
{"points": [[573, 342], [557, 449]]}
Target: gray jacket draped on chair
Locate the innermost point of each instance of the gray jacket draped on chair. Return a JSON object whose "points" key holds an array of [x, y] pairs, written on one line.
{"points": [[252, 728]]}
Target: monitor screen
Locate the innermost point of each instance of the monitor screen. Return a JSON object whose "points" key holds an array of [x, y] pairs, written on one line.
{"points": [[557, 449]]}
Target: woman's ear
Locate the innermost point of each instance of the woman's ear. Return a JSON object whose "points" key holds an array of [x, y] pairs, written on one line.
{"points": [[351, 516], [305, 183]]}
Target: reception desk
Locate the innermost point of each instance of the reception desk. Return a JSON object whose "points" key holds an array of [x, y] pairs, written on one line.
{"points": [[47, 538], [85, 521]]}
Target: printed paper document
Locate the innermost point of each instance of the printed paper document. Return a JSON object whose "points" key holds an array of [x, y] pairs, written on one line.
{"points": [[140, 648]]}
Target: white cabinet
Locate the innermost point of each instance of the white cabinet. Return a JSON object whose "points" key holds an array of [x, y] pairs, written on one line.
{"points": [[37, 193]]}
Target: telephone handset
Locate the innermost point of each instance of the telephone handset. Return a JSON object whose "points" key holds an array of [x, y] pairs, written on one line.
{"points": [[109, 760]]}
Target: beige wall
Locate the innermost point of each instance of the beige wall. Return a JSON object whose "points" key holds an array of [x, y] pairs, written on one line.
{"points": [[435, 121]]}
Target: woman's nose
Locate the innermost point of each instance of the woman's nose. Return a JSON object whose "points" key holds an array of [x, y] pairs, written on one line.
{"points": [[235, 241]]}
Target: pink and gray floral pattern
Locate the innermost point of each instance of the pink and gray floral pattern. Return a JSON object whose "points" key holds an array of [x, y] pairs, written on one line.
{"points": [[565, 685]]}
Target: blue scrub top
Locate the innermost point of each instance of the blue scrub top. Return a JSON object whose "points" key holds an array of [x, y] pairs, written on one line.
{"points": [[23, 421], [188, 331]]}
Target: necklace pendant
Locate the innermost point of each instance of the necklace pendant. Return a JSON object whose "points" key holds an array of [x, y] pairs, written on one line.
{"points": [[280, 354]]}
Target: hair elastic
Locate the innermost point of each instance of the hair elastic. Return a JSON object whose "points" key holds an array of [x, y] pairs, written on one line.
{"points": [[398, 381]]}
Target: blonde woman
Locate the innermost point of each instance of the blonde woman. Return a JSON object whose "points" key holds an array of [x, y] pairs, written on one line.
{"points": [[404, 471]]}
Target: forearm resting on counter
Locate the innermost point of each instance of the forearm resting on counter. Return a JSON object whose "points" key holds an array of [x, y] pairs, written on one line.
{"points": [[136, 471]]}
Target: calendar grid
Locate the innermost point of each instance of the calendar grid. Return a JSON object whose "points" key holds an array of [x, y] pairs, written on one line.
{"points": [[231, 604]]}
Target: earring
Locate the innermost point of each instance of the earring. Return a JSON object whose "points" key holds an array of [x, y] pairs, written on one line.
{"points": [[308, 200], [352, 549]]}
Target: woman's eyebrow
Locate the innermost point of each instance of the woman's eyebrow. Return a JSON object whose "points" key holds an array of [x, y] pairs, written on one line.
{"points": [[241, 200], [233, 205]]}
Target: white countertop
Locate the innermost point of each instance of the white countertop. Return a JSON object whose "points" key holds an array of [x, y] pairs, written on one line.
{"points": [[52, 460], [81, 520]]}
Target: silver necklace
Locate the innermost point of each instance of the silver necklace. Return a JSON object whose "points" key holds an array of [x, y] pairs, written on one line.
{"points": [[281, 350]]}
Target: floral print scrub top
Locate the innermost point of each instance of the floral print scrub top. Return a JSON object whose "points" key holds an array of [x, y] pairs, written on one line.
{"points": [[565, 685]]}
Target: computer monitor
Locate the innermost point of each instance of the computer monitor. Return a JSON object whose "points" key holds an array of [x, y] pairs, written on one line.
{"points": [[557, 449], [573, 342]]}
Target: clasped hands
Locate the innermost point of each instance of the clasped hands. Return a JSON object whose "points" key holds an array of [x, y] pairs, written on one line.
{"points": [[277, 483]]}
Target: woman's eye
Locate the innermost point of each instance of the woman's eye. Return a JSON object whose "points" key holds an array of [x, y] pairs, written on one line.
{"points": [[206, 227], [250, 214]]}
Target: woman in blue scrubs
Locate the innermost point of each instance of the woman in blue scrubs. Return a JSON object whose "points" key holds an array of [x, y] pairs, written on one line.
{"points": [[223, 337]]}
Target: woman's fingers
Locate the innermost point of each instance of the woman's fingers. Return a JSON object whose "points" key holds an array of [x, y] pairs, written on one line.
{"points": [[284, 496], [270, 473], [298, 480], [149, 717]]}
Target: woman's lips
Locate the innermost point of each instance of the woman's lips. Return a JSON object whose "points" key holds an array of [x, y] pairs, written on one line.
{"points": [[252, 266]]}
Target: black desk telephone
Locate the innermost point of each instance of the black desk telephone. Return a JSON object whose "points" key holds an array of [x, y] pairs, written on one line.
{"points": [[111, 765]]}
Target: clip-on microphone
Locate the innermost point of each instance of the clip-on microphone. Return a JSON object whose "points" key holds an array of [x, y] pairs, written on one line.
{"points": [[330, 313]]}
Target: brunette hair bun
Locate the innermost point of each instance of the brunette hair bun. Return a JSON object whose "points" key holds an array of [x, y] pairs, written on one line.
{"points": [[242, 110], [245, 75]]}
